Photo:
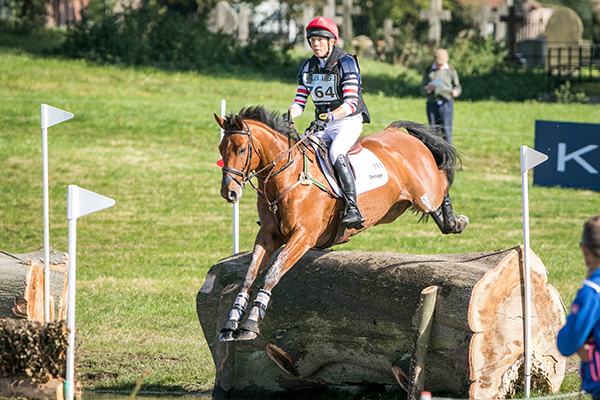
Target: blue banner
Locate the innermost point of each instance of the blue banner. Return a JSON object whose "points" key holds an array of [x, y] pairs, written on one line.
{"points": [[573, 151]]}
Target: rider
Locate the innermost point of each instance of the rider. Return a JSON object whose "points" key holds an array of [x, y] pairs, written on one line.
{"points": [[332, 78]]}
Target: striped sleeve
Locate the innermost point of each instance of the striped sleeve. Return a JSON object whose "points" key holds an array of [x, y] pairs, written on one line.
{"points": [[350, 84], [302, 91]]}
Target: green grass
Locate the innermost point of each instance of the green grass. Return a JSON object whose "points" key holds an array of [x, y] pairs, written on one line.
{"points": [[147, 139]]}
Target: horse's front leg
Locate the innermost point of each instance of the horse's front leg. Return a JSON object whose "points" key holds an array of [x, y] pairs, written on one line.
{"points": [[264, 247], [295, 248]]}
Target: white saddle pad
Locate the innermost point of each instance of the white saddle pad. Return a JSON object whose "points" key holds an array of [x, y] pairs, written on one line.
{"points": [[369, 171]]}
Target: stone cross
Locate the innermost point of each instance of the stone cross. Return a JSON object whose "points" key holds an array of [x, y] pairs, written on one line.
{"points": [[343, 21], [435, 15], [388, 30], [329, 11], [512, 19], [244, 19], [348, 10], [308, 14]]}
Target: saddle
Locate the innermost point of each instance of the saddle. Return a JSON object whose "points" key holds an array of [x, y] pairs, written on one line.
{"points": [[323, 151]]}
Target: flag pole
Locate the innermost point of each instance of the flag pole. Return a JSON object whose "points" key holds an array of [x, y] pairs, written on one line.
{"points": [[529, 159], [44, 117], [49, 116], [80, 202]]}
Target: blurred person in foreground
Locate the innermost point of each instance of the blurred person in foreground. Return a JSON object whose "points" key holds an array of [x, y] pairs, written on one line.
{"points": [[581, 333], [441, 86]]}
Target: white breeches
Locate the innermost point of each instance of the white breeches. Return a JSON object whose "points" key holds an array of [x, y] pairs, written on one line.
{"points": [[340, 135]]}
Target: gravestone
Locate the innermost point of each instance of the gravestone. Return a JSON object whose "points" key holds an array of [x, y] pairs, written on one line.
{"points": [[435, 15], [363, 47], [563, 31], [222, 19], [485, 20]]}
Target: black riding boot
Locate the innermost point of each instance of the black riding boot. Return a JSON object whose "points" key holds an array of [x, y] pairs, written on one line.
{"points": [[353, 219]]}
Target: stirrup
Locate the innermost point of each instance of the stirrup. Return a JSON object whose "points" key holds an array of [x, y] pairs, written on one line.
{"points": [[353, 219]]}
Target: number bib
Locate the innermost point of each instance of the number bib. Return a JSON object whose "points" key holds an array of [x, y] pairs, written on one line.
{"points": [[322, 91]]}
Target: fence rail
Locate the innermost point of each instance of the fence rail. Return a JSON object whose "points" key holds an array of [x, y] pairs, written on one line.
{"points": [[573, 63]]}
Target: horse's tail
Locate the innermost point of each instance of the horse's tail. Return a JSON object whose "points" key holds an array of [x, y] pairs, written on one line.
{"points": [[445, 155]]}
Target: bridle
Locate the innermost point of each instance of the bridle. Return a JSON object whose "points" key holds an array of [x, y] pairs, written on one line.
{"points": [[244, 174]]}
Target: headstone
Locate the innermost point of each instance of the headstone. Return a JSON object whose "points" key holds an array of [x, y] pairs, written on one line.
{"points": [[363, 47], [512, 20], [563, 31], [500, 26], [435, 15], [484, 20], [223, 19]]}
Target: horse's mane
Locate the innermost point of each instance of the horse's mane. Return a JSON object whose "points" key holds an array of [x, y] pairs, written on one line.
{"points": [[270, 118], [446, 157]]}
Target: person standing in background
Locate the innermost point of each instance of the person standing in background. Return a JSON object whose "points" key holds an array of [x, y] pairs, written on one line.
{"points": [[441, 86], [581, 333]]}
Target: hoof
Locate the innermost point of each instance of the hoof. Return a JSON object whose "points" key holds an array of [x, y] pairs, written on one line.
{"points": [[227, 336], [462, 221], [249, 330], [246, 335]]}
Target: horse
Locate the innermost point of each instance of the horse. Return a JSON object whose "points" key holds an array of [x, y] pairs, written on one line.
{"points": [[298, 209]]}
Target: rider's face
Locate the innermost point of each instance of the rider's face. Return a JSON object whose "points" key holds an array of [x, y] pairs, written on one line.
{"points": [[320, 45]]}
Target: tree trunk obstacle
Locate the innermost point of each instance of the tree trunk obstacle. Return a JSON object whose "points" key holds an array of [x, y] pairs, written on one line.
{"points": [[32, 353], [22, 285], [444, 323]]}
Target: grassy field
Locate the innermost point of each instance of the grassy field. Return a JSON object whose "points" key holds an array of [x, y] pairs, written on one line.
{"points": [[147, 139]]}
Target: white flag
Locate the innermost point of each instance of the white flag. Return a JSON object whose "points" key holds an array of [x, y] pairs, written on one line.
{"points": [[52, 116], [82, 202], [531, 158]]}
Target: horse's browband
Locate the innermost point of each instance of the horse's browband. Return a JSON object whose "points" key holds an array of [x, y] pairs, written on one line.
{"points": [[233, 131]]}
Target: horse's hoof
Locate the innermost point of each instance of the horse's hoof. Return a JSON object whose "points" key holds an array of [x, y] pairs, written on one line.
{"points": [[249, 330], [462, 221], [227, 336], [247, 335]]}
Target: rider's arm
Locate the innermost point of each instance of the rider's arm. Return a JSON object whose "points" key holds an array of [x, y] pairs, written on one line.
{"points": [[350, 87], [585, 312], [302, 92]]}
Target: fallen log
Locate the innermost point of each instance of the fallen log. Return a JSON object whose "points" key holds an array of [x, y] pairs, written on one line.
{"points": [[22, 285], [348, 318]]}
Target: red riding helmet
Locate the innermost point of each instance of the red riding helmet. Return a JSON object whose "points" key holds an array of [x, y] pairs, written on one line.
{"points": [[322, 27]]}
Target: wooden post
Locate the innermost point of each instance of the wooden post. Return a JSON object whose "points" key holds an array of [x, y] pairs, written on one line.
{"points": [[224, 351], [423, 324]]}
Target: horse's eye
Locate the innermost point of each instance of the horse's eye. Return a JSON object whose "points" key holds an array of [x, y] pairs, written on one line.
{"points": [[241, 150]]}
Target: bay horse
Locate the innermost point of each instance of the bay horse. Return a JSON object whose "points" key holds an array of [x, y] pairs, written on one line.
{"points": [[298, 209]]}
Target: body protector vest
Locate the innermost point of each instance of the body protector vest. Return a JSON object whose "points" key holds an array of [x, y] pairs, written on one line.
{"points": [[325, 84]]}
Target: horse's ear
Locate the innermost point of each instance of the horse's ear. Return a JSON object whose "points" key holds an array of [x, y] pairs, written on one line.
{"points": [[220, 121], [239, 124]]}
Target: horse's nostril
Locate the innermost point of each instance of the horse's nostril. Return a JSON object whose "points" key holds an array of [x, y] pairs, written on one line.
{"points": [[232, 195]]}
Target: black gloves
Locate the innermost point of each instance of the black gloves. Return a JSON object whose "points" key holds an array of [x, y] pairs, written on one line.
{"points": [[287, 117], [317, 125]]}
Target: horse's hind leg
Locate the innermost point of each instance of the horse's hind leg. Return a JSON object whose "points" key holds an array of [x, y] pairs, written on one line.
{"points": [[446, 220]]}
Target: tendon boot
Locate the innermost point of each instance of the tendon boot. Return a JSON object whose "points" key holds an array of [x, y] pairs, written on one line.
{"points": [[353, 219], [449, 218]]}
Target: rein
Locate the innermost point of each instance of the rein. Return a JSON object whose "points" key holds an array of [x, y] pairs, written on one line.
{"points": [[246, 177]]}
